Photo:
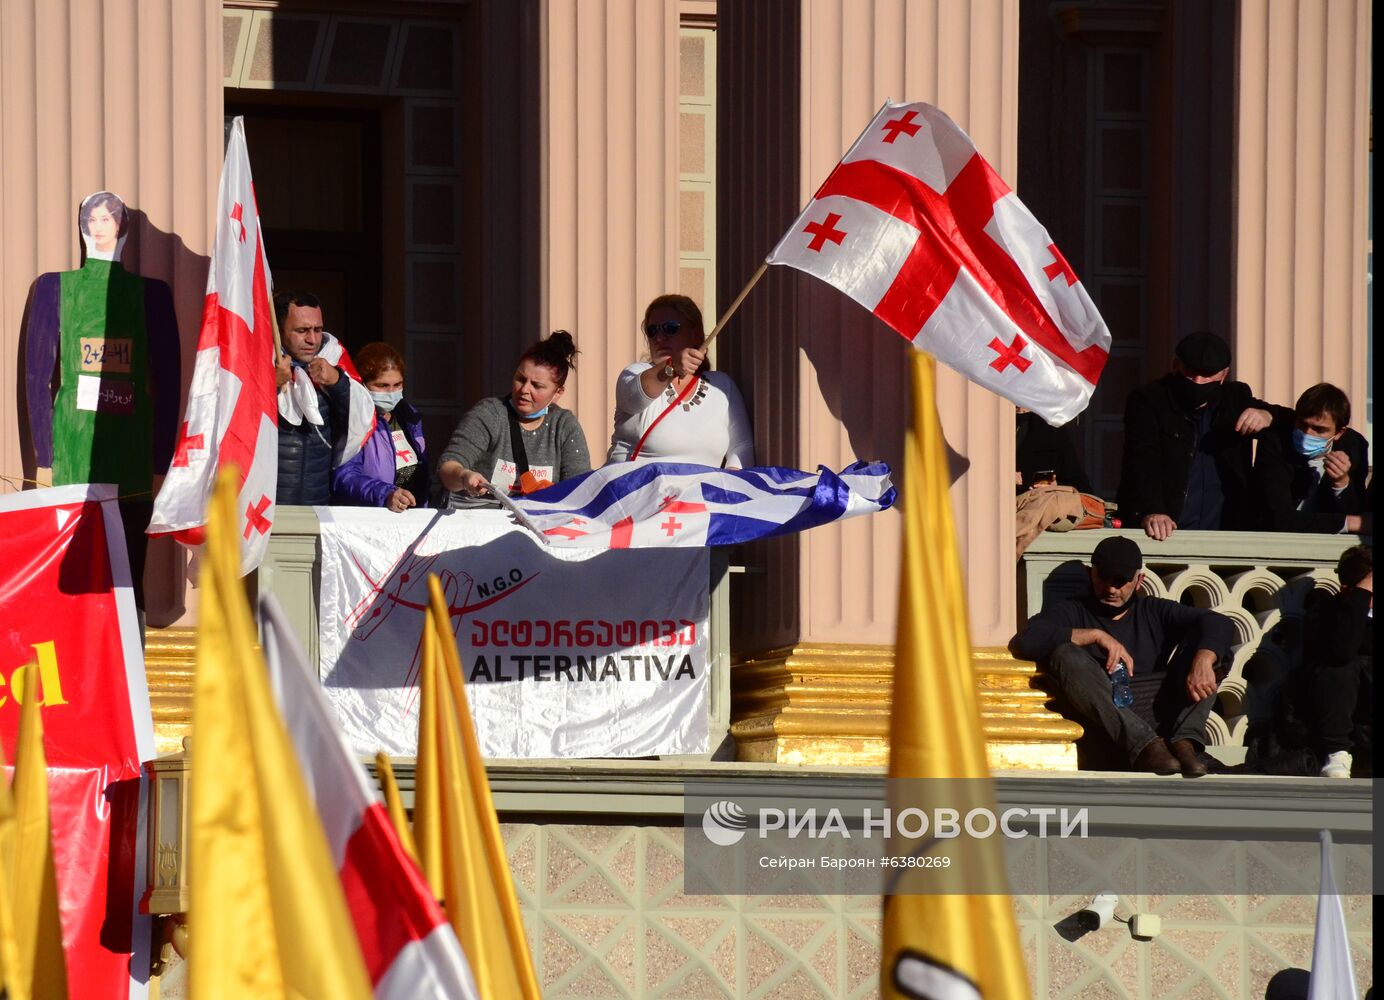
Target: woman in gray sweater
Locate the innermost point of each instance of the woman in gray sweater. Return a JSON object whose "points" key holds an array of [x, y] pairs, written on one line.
{"points": [[548, 440]]}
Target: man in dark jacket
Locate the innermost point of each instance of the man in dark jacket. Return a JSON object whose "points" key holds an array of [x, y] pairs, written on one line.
{"points": [[314, 398], [1083, 640], [1311, 477], [1188, 445], [1338, 651]]}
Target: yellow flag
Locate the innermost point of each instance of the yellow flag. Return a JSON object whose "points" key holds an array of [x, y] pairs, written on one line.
{"points": [[395, 804], [427, 794], [40, 966], [942, 944], [456, 824], [268, 917], [12, 986]]}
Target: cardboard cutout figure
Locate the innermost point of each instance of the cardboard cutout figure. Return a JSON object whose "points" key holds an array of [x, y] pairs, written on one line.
{"points": [[102, 370], [102, 364]]}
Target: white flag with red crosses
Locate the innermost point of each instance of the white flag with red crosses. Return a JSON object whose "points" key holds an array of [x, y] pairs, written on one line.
{"points": [[232, 414], [915, 226]]}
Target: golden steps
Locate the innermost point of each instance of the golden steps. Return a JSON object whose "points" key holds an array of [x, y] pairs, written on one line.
{"points": [[808, 704], [168, 661], [829, 704]]}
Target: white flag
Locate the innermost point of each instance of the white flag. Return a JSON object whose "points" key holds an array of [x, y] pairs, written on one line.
{"points": [[1333, 973], [232, 415], [915, 226]]}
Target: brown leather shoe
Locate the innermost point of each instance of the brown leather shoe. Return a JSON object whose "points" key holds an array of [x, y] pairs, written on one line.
{"points": [[1186, 753], [1155, 758]]}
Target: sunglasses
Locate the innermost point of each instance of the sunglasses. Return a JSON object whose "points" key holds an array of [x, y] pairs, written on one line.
{"points": [[668, 328]]}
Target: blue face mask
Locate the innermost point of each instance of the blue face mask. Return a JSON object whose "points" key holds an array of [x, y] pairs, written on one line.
{"points": [[1312, 447], [386, 401], [526, 416]]}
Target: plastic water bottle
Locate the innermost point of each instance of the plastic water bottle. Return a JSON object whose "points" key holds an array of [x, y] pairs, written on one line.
{"points": [[1120, 691]]}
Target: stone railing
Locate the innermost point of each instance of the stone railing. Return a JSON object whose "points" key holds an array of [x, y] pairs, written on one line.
{"points": [[1262, 582]]}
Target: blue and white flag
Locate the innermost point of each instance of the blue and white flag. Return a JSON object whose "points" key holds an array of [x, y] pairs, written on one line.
{"points": [[647, 504]]}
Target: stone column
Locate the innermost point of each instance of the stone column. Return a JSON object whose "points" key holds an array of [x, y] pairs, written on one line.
{"points": [[117, 95], [816, 613], [1302, 171]]}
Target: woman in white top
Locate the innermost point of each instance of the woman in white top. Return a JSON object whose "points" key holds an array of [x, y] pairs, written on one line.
{"points": [[672, 408]]}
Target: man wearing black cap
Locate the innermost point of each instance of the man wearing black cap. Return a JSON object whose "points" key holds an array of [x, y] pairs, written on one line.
{"points": [[1188, 445], [1082, 640]]}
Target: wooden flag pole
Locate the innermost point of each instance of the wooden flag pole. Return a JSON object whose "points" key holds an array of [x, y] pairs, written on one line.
{"points": [[725, 317]]}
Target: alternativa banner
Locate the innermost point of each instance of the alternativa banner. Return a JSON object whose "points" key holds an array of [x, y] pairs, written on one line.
{"points": [[566, 653]]}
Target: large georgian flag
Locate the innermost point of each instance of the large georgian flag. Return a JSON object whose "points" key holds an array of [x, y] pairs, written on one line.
{"points": [[915, 226], [232, 415]]}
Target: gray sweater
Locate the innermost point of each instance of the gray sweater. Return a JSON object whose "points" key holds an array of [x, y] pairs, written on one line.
{"points": [[556, 449]]}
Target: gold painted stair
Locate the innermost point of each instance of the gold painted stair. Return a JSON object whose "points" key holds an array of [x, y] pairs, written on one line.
{"points": [[829, 704], [168, 661], [809, 704]]}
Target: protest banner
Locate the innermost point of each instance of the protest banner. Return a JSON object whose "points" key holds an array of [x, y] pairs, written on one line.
{"points": [[566, 652], [68, 612]]}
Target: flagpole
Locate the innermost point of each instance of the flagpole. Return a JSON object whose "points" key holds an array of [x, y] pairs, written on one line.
{"points": [[725, 316], [273, 310]]}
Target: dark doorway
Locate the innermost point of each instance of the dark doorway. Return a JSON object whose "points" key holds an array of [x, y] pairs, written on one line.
{"points": [[318, 183], [1126, 133]]}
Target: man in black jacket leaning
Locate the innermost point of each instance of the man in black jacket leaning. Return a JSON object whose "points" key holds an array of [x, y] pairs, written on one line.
{"points": [[1082, 640], [1188, 445]]}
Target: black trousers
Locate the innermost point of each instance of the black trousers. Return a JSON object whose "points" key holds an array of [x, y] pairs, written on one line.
{"points": [[1077, 674], [1341, 694]]}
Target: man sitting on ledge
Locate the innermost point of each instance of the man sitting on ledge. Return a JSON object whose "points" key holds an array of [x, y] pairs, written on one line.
{"points": [[1081, 642]]}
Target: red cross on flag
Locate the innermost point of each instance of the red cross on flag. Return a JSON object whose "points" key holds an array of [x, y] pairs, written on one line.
{"points": [[232, 416], [915, 226]]}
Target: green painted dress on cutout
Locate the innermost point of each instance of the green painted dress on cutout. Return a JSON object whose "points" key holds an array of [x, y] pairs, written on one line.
{"points": [[112, 337]]}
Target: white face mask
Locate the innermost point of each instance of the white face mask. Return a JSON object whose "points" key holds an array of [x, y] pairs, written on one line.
{"points": [[386, 401]]}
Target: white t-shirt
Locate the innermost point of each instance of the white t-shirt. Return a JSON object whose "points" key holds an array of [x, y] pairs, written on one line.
{"points": [[709, 427], [404, 455]]}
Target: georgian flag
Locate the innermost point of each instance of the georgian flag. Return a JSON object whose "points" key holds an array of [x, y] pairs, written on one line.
{"points": [[410, 950], [645, 505], [915, 226], [231, 416]]}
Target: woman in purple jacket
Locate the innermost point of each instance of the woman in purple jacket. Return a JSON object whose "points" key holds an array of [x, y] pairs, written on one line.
{"points": [[392, 469]]}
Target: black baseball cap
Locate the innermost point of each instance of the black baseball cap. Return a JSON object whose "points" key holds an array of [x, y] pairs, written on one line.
{"points": [[1117, 559], [1204, 352]]}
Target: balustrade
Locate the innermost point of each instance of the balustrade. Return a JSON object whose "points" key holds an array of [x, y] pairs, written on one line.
{"points": [[1262, 582]]}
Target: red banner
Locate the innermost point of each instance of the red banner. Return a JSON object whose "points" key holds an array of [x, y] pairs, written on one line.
{"points": [[67, 611]]}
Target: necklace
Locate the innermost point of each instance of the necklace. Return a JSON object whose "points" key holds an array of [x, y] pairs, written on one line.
{"points": [[694, 400]]}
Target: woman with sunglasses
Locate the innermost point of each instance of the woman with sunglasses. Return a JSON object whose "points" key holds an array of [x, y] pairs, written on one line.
{"points": [[671, 408], [522, 441]]}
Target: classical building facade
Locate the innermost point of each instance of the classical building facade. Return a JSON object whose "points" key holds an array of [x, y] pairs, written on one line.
{"points": [[461, 176]]}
